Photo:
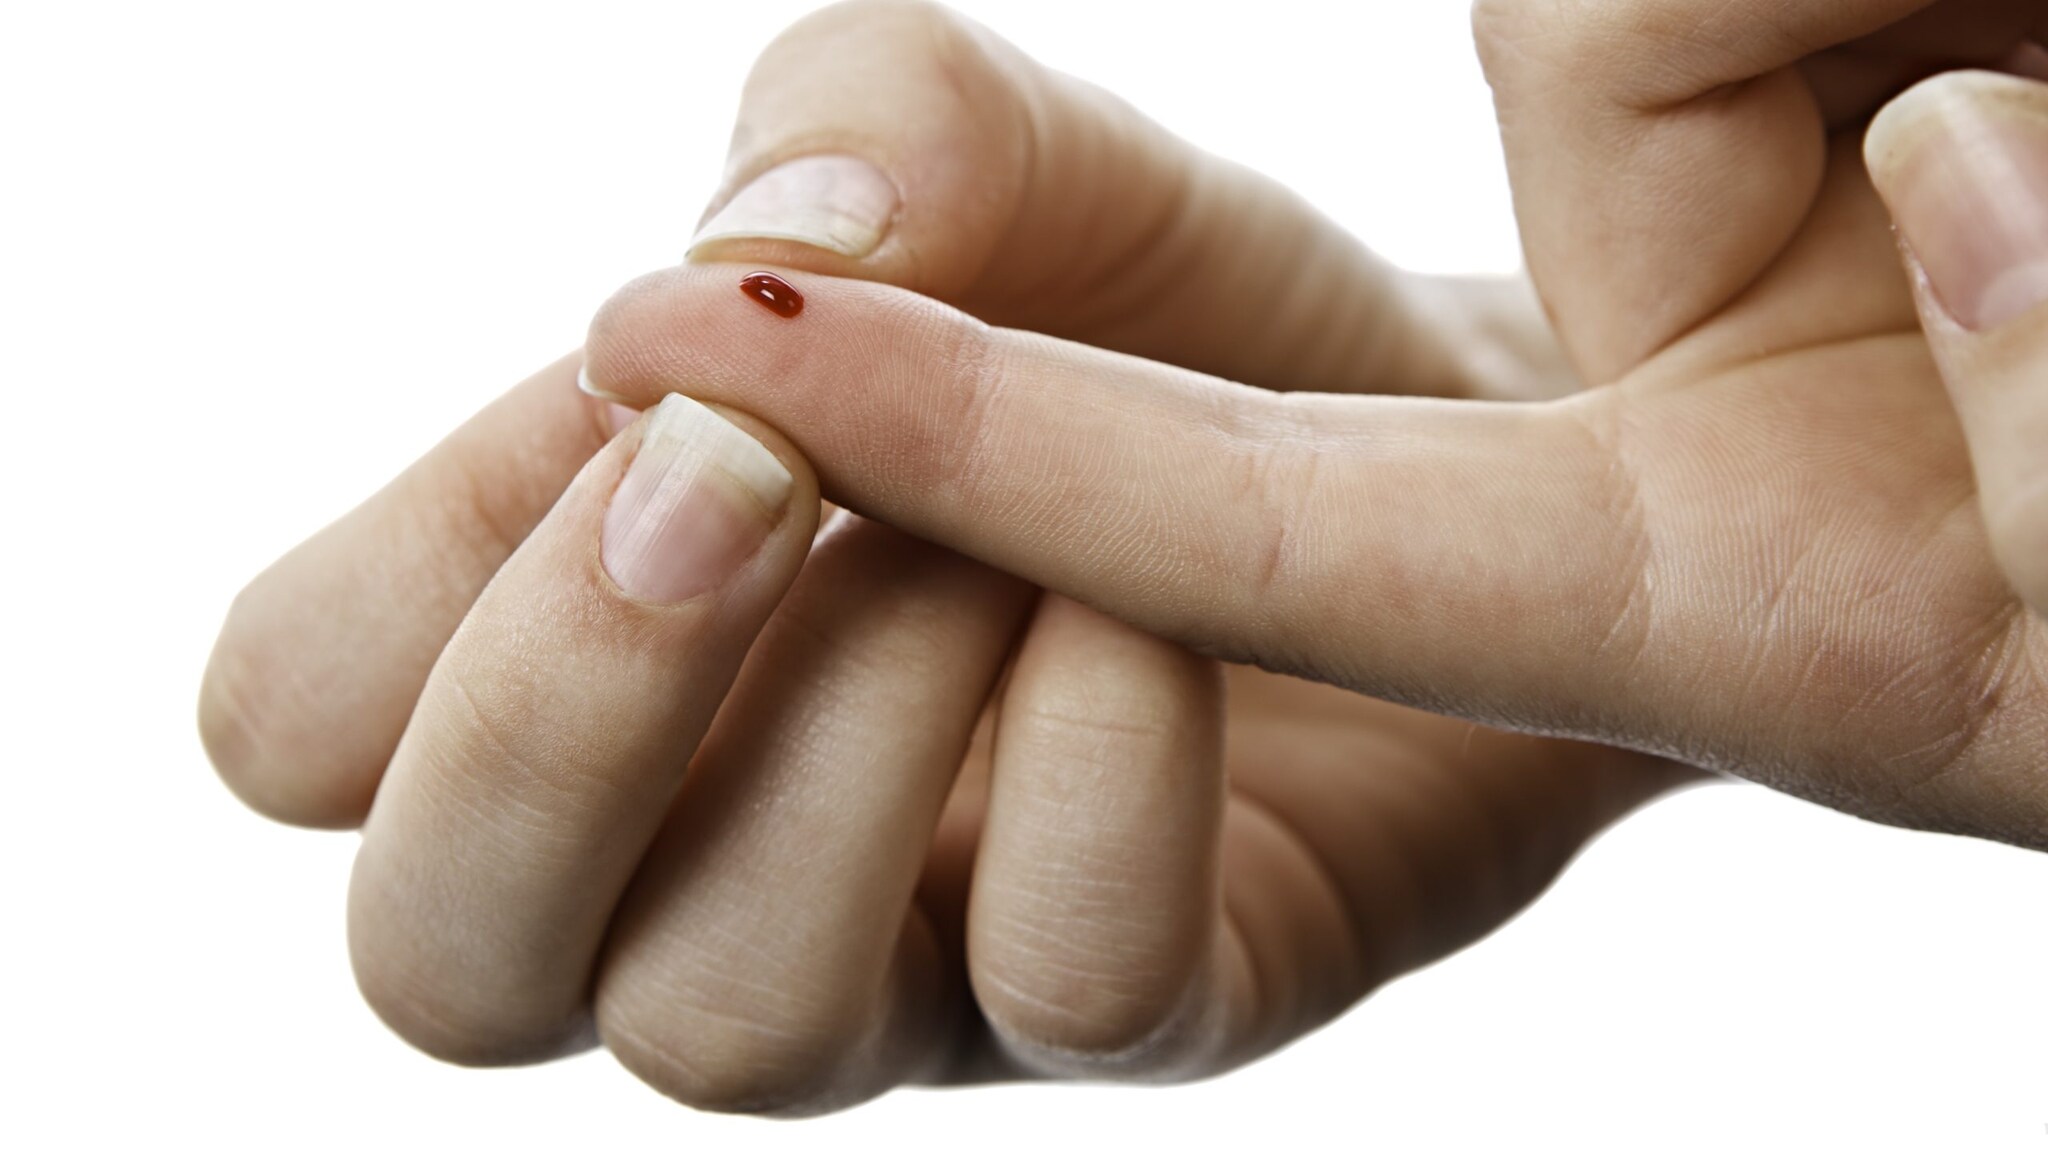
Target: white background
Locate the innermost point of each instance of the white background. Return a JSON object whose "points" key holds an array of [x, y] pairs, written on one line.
{"points": [[255, 257]]}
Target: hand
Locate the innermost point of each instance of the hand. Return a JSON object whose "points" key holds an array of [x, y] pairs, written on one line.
{"points": [[791, 925], [783, 927], [1754, 546]]}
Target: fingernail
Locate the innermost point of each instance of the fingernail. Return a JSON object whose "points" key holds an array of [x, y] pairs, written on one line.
{"points": [[619, 417], [840, 204], [1962, 161], [588, 388], [698, 500]]}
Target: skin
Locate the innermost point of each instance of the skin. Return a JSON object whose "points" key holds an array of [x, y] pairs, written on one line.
{"points": [[1753, 543], [871, 811], [1971, 219]]}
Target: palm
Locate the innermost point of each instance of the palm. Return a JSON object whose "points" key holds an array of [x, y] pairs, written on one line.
{"points": [[1802, 435]]}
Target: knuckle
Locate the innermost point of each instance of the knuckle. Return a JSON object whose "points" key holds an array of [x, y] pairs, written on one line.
{"points": [[1278, 530], [259, 729], [1279, 492], [1094, 724], [498, 735], [457, 1020], [726, 1058], [726, 1045], [972, 373], [1072, 1010]]}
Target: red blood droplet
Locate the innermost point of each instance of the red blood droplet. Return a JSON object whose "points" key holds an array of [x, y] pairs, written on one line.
{"points": [[773, 293]]}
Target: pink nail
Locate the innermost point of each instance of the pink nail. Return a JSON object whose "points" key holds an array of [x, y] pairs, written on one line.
{"points": [[697, 502]]}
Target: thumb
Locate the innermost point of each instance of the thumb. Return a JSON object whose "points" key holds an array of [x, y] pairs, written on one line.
{"points": [[1962, 160], [1470, 556], [902, 143]]}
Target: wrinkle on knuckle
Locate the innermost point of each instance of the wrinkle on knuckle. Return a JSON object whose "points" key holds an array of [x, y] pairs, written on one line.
{"points": [[1070, 962], [969, 377], [1627, 639], [1089, 722], [494, 732], [725, 1043], [1277, 497], [1087, 1013], [449, 1020], [1276, 517], [511, 771]]}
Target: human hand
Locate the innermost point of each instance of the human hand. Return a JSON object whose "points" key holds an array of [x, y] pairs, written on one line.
{"points": [[792, 925], [828, 902], [1754, 546]]}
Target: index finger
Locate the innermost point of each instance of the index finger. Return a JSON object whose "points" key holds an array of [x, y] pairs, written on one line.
{"points": [[1416, 549]]}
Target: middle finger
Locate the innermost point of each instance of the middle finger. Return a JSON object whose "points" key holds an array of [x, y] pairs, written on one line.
{"points": [[771, 956], [554, 729]]}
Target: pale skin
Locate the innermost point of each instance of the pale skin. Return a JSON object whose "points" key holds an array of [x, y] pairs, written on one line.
{"points": [[943, 827]]}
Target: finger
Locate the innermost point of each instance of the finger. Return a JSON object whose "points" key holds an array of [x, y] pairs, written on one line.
{"points": [[1095, 938], [1662, 152], [1963, 162], [1570, 567], [903, 143], [323, 655], [553, 732], [1102, 940], [1471, 555], [769, 957]]}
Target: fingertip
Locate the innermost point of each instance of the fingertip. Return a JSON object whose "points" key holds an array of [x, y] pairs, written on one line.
{"points": [[1094, 908], [262, 739]]}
